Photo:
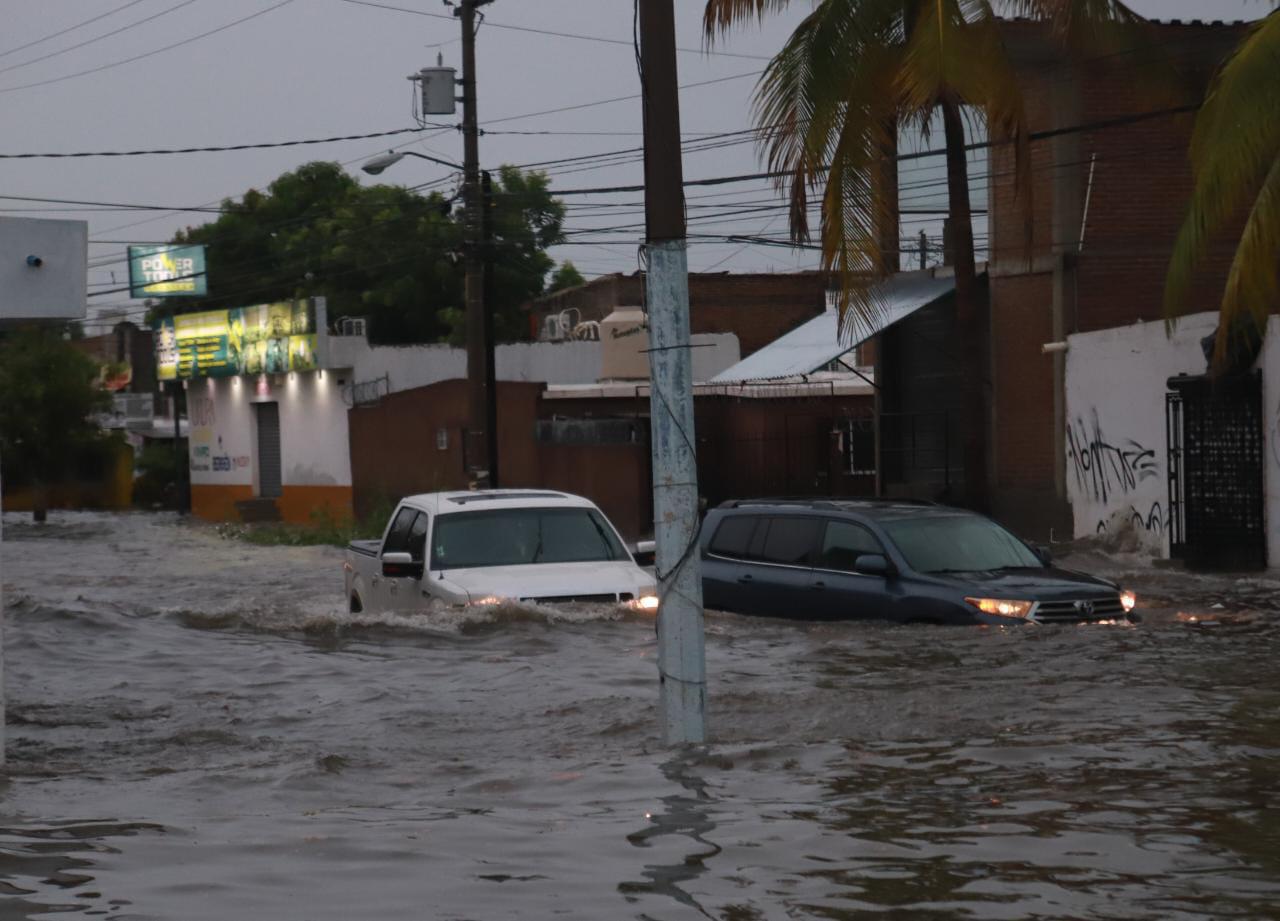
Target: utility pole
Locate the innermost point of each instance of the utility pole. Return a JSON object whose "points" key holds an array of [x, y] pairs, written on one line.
{"points": [[490, 333], [479, 357], [681, 654]]}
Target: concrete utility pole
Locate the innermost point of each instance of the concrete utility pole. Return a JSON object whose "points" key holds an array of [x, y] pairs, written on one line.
{"points": [[478, 448], [681, 654]]}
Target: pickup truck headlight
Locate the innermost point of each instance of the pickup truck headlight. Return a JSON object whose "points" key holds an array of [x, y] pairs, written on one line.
{"points": [[1128, 601], [646, 603], [1002, 606]]}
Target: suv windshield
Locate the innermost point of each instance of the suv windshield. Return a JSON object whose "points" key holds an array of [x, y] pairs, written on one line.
{"points": [[958, 544], [523, 536]]}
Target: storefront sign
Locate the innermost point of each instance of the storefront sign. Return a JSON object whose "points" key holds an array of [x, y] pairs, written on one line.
{"points": [[167, 271], [267, 339]]}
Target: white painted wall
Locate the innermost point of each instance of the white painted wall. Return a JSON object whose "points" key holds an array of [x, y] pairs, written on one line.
{"points": [[548, 362], [314, 449], [1117, 474]]}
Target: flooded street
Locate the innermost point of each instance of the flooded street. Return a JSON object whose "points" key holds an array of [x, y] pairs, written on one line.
{"points": [[198, 730]]}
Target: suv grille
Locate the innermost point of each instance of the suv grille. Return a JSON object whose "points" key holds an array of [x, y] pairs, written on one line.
{"points": [[1074, 612], [609, 598]]}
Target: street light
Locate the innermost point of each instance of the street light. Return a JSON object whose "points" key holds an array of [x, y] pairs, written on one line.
{"points": [[375, 165], [481, 373]]}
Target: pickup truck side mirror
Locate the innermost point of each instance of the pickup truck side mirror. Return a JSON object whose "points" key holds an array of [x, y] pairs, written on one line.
{"points": [[401, 566], [644, 552], [873, 564]]}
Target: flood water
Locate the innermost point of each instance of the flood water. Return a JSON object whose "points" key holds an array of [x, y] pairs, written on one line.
{"points": [[197, 730]]}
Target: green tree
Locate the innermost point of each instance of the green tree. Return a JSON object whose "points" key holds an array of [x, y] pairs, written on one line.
{"points": [[48, 392], [524, 221], [830, 106], [383, 252], [567, 276], [1235, 161]]}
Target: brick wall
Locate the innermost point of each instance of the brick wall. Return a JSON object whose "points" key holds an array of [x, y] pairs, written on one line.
{"points": [[1141, 182]]}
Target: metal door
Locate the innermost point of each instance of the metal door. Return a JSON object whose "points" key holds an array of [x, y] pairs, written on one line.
{"points": [[1216, 498], [269, 480]]}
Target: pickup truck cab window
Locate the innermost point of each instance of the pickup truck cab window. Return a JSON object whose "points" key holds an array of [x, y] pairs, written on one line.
{"points": [[397, 539]]}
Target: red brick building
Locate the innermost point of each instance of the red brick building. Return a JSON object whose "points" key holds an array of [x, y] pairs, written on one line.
{"points": [[1107, 197]]}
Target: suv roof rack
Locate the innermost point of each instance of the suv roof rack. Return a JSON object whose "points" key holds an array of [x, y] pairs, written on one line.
{"points": [[824, 502]]}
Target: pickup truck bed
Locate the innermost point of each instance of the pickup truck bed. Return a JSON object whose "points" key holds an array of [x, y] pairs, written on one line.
{"points": [[366, 547]]}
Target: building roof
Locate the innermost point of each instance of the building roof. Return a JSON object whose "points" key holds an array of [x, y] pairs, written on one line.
{"points": [[815, 344]]}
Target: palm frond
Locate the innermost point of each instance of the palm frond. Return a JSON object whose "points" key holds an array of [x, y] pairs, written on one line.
{"points": [[722, 15], [1234, 148], [1253, 284]]}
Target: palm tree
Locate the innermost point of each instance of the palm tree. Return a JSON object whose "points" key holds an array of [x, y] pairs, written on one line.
{"points": [[1235, 161], [830, 104]]}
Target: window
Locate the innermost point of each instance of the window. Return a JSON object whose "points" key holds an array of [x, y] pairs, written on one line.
{"points": [[843, 543], [733, 537], [398, 537], [791, 541], [959, 543], [418, 537], [523, 536], [858, 445]]}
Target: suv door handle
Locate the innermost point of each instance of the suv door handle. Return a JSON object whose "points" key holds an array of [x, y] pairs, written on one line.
{"points": [[745, 579], [819, 586]]}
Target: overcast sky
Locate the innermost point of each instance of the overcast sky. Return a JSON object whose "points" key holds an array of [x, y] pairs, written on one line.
{"points": [[318, 68]]}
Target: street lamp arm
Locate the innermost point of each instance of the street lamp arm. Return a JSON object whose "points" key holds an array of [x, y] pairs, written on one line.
{"points": [[376, 165]]}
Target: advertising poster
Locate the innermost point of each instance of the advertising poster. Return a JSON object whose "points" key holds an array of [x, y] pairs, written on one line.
{"points": [[266, 339], [167, 270]]}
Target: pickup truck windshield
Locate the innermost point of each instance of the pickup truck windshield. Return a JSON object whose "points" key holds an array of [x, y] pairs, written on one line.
{"points": [[959, 544], [524, 536]]}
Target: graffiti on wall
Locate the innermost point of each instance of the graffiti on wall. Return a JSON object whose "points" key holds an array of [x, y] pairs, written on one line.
{"points": [[1153, 522], [1103, 468]]}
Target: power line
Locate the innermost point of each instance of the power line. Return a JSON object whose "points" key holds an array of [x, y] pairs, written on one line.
{"points": [[147, 54], [219, 149], [78, 25], [570, 35], [96, 39]]}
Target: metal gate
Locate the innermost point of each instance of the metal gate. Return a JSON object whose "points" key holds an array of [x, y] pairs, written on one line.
{"points": [[1216, 497], [268, 415]]}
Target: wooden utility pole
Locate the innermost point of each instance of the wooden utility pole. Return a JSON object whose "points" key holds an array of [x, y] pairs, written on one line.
{"points": [[478, 447], [681, 653]]}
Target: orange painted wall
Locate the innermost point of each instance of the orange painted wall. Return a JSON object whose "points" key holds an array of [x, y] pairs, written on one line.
{"points": [[297, 505], [304, 504], [218, 503]]}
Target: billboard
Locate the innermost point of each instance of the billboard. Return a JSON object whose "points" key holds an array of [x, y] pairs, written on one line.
{"points": [[267, 339], [167, 270]]}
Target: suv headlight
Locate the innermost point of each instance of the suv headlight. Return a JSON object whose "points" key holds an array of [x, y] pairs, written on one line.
{"points": [[1128, 601], [1002, 606]]}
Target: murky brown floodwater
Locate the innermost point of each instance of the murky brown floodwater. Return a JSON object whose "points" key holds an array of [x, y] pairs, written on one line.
{"points": [[198, 731]]}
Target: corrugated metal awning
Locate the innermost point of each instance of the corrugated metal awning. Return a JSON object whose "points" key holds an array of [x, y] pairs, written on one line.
{"points": [[815, 344]]}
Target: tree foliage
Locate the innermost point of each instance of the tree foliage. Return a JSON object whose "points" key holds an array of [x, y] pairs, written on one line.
{"points": [[567, 276], [383, 252], [1235, 159], [48, 395]]}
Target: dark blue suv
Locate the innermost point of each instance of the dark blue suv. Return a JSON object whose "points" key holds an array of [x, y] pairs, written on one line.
{"points": [[842, 559]]}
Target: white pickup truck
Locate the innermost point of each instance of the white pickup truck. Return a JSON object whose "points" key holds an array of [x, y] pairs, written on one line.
{"points": [[482, 548]]}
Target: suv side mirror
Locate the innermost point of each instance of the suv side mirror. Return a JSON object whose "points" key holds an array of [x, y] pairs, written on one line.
{"points": [[873, 564], [1043, 553], [401, 566]]}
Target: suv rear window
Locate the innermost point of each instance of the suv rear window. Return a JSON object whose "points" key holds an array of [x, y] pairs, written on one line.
{"points": [[733, 537]]}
